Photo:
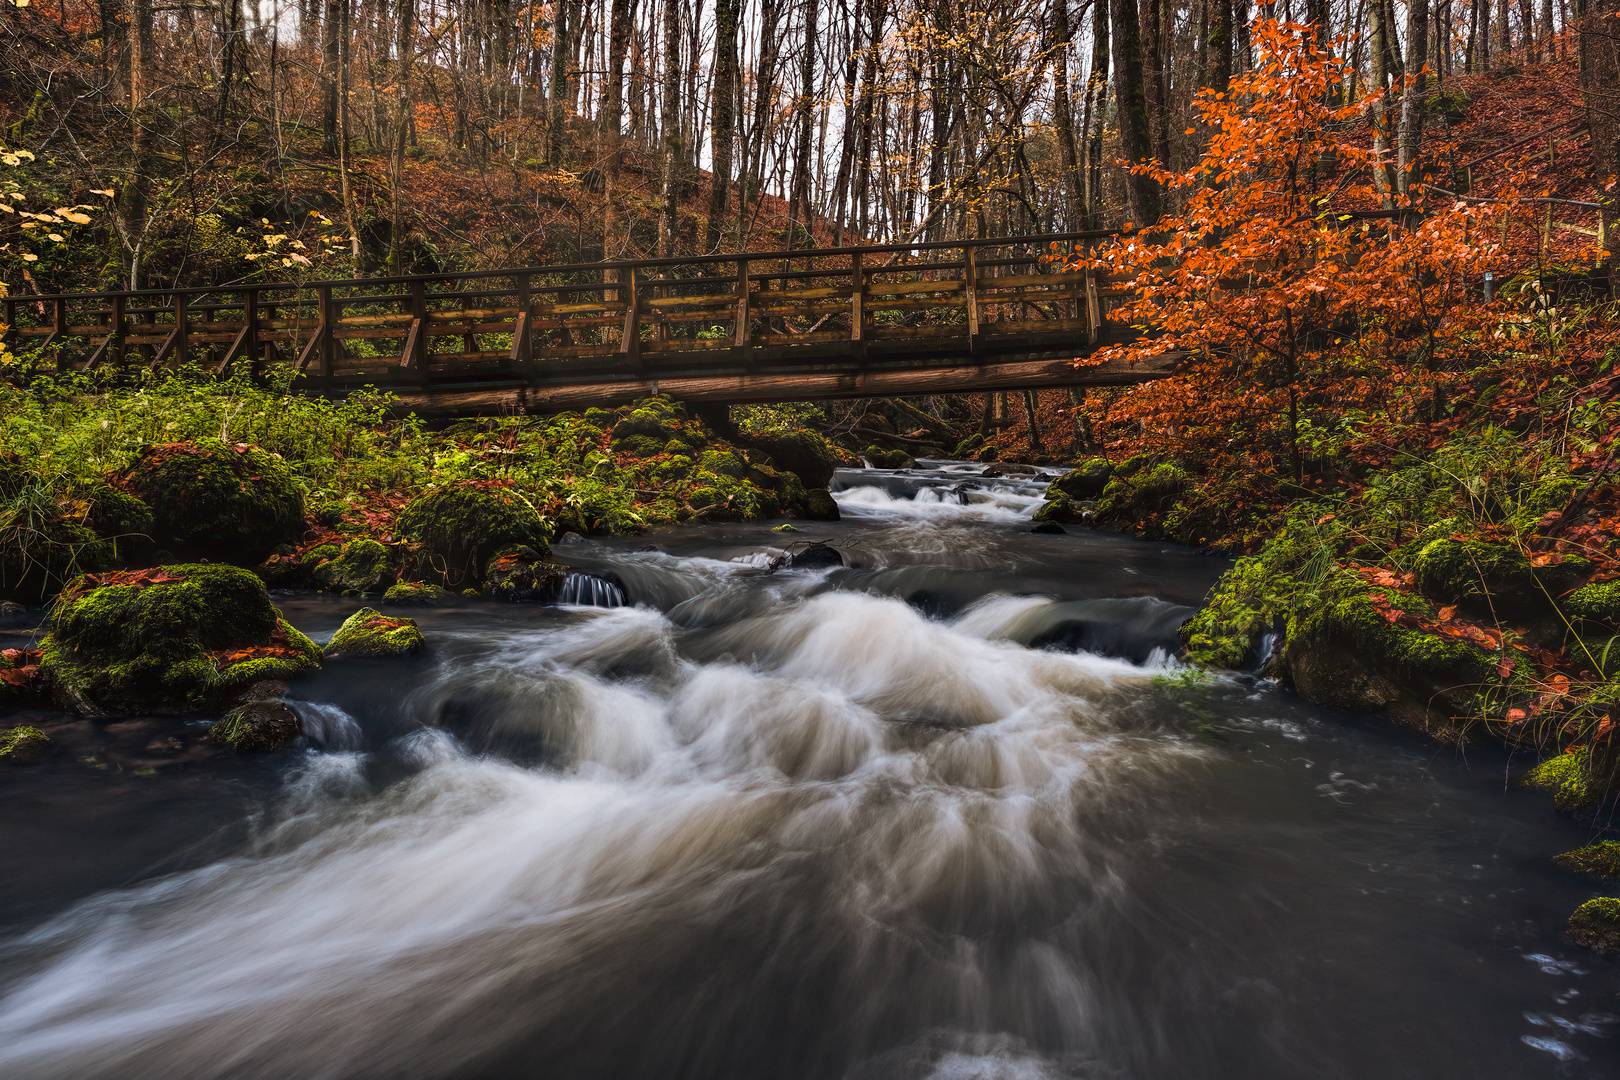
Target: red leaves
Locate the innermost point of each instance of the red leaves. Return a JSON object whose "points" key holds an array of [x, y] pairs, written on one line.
{"points": [[277, 649], [19, 668], [141, 579]]}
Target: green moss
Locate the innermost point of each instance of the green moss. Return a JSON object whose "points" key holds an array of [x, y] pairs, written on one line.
{"points": [[1057, 508], [1601, 858], [801, 452], [673, 469], [640, 446], [119, 516], [224, 502], [1463, 571], [1349, 618], [458, 528], [176, 637], [1596, 603], [1142, 491], [368, 632], [518, 573], [1248, 600], [363, 566], [40, 552], [412, 592], [1596, 923], [886, 459], [256, 726], [1567, 776], [23, 744], [1085, 481], [723, 463]]}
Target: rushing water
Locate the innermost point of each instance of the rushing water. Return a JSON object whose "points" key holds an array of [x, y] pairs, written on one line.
{"points": [[949, 812]]}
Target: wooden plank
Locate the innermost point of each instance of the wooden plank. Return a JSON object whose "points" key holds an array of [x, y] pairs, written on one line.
{"points": [[970, 281], [1018, 281], [630, 332], [911, 288], [741, 327], [1035, 326], [745, 388], [857, 298], [381, 319], [718, 300]]}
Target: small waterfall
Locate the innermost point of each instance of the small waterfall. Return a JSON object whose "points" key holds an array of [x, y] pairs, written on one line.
{"points": [[591, 590], [328, 726]]}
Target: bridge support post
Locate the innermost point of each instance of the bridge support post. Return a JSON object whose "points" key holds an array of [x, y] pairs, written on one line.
{"points": [[522, 337], [743, 330], [413, 354], [970, 295], [857, 303], [630, 335]]}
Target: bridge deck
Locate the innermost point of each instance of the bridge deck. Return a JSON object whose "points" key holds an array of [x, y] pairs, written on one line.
{"points": [[920, 318]]}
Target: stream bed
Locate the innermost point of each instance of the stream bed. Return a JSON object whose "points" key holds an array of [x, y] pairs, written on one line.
{"points": [[951, 811]]}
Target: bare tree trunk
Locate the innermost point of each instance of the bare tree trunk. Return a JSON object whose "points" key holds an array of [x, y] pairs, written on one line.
{"points": [[1383, 179], [800, 217], [560, 56], [723, 114], [670, 123], [404, 45], [1062, 114], [135, 197], [1130, 97], [1410, 142], [349, 213], [330, 61], [1599, 59], [1096, 98]]}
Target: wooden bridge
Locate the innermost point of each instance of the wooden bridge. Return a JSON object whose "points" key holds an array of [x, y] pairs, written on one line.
{"points": [[947, 317]]}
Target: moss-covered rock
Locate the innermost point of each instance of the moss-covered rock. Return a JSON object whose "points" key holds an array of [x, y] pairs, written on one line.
{"points": [[256, 727], [1247, 601], [1058, 508], [40, 551], [121, 518], [1596, 923], [1601, 858], [368, 632], [819, 505], [1135, 494], [1568, 777], [224, 502], [1463, 571], [363, 566], [519, 573], [803, 453], [879, 458], [22, 745], [1598, 603], [1085, 481], [413, 592], [458, 528], [173, 638]]}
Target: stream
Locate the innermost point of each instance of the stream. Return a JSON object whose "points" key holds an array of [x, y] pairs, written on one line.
{"points": [[950, 811]]}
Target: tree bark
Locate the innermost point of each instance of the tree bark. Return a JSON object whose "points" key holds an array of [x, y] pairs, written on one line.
{"points": [[723, 117], [561, 54], [404, 47], [331, 28], [135, 197], [670, 133], [1130, 97], [800, 216], [1410, 140], [1062, 114]]}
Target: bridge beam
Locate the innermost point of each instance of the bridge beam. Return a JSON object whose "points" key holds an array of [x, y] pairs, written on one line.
{"points": [[742, 389]]}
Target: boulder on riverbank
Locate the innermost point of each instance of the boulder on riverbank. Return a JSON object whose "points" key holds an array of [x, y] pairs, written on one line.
{"points": [[370, 633], [167, 639], [518, 573], [362, 566], [1601, 859], [219, 501], [23, 744], [1596, 924], [457, 529]]}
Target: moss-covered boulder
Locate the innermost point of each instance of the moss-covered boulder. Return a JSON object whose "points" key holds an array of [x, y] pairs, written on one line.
{"points": [[1568, 777], [880, 458], [1601, 858], [368, 632], [803, 453], [1596, 924], [1598, 604], [363, 566], [44, 550], [1086, 480], [174, 638], [414, 592], [458, 528], [121, 519], [22, 745], [1139, 491], [723, 463], [256, 727], [645, 429], [220, 501], [519, 573], [1344, 650], [1464, 571], [1058, 508], [819, 505]]}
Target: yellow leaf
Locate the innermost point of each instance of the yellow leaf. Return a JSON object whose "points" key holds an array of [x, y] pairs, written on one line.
{"points": [[55, 236], [102, 191], [30, 257]]}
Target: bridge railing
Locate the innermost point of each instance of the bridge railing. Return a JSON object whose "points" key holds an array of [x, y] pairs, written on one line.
{"points": [[598, 321]]}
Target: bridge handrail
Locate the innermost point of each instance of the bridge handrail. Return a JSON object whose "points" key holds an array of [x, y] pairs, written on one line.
{"points": [[575, 268]]}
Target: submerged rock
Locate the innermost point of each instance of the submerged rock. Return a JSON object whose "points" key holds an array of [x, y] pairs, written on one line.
{"points": [[1050, 528], [368, 632], [257, 726], [1057, 508], [22, 745], [171, 638], [459, 528], [224, 502], [1596, 923], [518, 573], [1085, 481], [1601, 858], [414, 592]]}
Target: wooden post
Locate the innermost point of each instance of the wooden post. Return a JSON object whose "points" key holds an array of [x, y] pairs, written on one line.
{"points": [[522, 336], [740, 331], [630, 335], [1093, 308], [413, 355], [857, 297], [247, 337], [970, 293], [661, 291], [329, 318], [173, 349], [116, 335]]}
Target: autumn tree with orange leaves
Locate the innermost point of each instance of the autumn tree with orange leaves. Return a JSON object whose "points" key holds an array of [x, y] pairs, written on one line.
{"points": [[1282, 273]]}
